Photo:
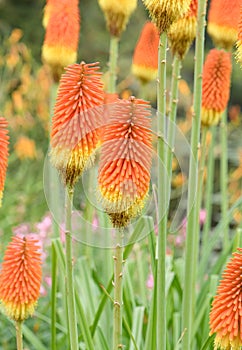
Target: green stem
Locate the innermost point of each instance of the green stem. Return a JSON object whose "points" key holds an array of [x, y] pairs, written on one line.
{"points": [[188, 301], [19, 335], [176, 68], [209, 191], [53, 296], [162, 195], [70, 295], [113, 59], [224, 175], [118, 281], [54, 183]]}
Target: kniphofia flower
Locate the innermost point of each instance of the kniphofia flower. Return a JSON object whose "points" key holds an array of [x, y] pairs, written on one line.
{"points": [[183, 31], [117, 14], [62, 34], [223, 20], [145, 58], [20, 277], [164, 12], [239, 41], [216, 86], [3, 154], [124, 171], [226, 312], [77, 120]]}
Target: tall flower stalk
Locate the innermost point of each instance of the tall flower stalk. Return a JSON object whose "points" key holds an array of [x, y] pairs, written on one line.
{"points": [[3, 154], [74, 138], [123, 179], [188, 301]]}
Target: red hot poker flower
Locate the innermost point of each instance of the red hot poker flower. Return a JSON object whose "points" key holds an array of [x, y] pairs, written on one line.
{"points": [[124, 172], [216, 86], [223, 19], [226, 312], [145, 59], [3, 154], [77, 118], [62, 34], [20, 277]]}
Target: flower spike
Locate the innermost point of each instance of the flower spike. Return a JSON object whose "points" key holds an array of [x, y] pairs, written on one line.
{"points": [[60, 46], [223, 20], [20, 277], [164, 12], [124, 172], [145, 59], [216, 86], [226, 312], [77, 119]]}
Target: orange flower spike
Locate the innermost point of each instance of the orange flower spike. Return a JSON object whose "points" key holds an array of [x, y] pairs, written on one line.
{"points": [[216, 86], [164, 12], [3, 154], [77, 119], [117, 14], [223, 20], [62, 34], [183, 31], [145, 58], [124, 171], [20, 277], [226, 311], [239, 41]]}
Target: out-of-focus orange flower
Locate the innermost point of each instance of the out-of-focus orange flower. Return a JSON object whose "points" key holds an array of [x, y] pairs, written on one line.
{"points": [[223, 20], [239, 40], [117, 14], [124, 172], [234, 114], [77, 119], [25, 148], [165, 12], [20, 277], [226, 312], [62, 34], [183, 31], [145, 58], [15, 36], [3, 154], [216, 86], [179, 180]]}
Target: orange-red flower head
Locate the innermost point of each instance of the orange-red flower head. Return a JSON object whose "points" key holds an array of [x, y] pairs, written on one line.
{"points": [[62, 34], [223, 20], [124, 171], [216, 86], [77, 119], [239, 41], [117, 14], [183, 31], [20, 277], [3, 154], [226, 312], [164, 12], [145, 59]]}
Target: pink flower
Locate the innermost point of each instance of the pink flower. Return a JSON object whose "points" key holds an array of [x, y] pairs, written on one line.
{"points": [[150, 281]]}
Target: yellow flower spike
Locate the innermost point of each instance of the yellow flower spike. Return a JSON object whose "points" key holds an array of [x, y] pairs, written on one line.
{"points": [[117, 14], [164, 12], [183, 31]]}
